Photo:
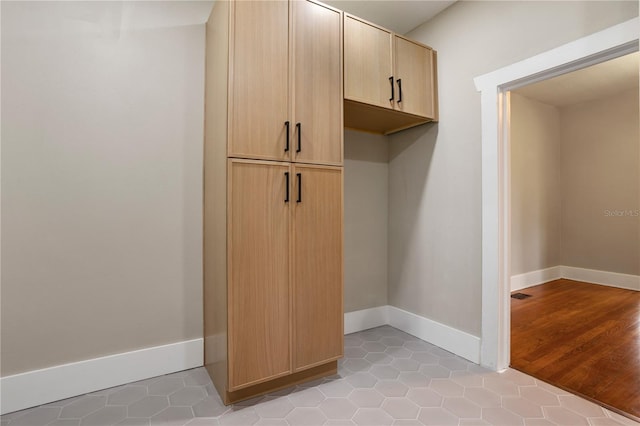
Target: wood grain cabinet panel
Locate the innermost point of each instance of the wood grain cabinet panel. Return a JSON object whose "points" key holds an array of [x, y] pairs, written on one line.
{"points": [[259, 79], [317, 83], [415, 80], [368, 63], [317, 265], [258, 272]]}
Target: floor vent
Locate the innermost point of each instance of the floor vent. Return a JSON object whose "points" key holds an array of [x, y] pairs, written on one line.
{"points": [[520, 296]]}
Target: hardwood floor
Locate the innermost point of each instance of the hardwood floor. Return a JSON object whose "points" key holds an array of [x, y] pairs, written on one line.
{"points": [[582, 337]]}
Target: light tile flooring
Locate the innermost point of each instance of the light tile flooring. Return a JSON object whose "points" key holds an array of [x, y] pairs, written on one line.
{"points": [[387, 377]]}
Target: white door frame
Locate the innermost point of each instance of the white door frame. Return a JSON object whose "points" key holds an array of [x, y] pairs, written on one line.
{"points": [[613, 42]]}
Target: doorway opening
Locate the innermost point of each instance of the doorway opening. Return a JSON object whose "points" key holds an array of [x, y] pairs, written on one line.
{"points": [[611, 43], [575, 232]]}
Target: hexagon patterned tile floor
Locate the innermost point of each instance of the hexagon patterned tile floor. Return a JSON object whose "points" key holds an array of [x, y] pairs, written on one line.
{"points": [[387, 377]]}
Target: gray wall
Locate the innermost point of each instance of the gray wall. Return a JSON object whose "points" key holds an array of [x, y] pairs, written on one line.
{"points": [[575, 184], [366, 189], [536, 191], [101, 184], [601, 184], [435, 172]]}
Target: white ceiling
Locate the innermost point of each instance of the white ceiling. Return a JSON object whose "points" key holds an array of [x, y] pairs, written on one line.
{"points": [[400, 16], [100, 17], [114, 17], [594, 82]]}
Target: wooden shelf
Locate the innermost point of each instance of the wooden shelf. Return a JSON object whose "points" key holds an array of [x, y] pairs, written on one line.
{"points": [[373, 119]]}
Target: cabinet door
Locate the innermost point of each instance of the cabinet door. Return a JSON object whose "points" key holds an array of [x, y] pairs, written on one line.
{"points": [[317, 83], [367, 63], [317, 265], [258, 272], [259, 81], [415, 78]]}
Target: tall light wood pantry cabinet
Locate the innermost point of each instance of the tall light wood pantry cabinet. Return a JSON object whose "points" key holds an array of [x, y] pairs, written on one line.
{"points": [[273, 201]]}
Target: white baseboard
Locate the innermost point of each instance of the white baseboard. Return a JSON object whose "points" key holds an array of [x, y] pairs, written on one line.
{"points": [[611, 279], [529, 279], [365, 319], [51, 384], [448, 338], [451, 339], [39, 387]]}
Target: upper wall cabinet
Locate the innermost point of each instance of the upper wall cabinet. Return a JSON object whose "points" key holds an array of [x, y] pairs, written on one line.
{"points": [[285, 82], [390, 81]]}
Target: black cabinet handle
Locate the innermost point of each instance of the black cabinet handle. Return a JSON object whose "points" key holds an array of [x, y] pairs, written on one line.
{"points": [[299, 130], [286, 180], [392, 94], [286, 146], [399, 90], [299, 176]]}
